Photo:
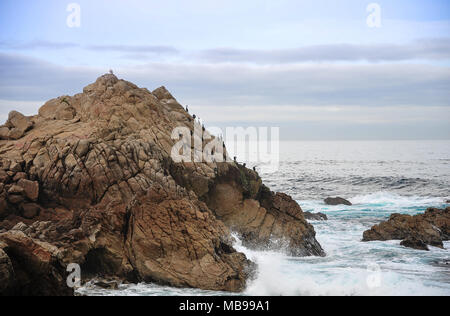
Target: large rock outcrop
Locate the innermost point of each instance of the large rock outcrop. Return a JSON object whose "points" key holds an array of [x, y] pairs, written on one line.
{"points": [[430, 228], [92, 176]]}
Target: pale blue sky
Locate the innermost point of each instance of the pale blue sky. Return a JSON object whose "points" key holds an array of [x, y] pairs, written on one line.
{"points": [[314, 68]]}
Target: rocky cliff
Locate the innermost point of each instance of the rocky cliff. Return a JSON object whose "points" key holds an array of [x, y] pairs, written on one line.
{"points": [[90, 180]]}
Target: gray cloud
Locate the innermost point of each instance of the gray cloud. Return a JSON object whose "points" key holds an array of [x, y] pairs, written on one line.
{"points": [[38, 45], [152, 49], [435, 49], [428, 49], [236, 84], [134, 49], [390, 94]]}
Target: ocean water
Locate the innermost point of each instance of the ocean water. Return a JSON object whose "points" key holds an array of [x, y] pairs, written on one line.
{"points": [[379, 178]]}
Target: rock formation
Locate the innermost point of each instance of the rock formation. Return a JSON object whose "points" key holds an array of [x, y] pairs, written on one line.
{"points": [[315, 216], [90, 180], [430, 228], [337, 201]]}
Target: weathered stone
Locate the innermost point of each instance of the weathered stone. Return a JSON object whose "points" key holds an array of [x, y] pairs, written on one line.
{"points": [[20, 227], [315, 216], [4, 133], [18, 176], [16, 189], [30, 188], [15, 166], [107, 285], [39, 272], [337, 201], [107, 192], [58, 109], [6, 272], [30, 210], [431, 228], [3, 207], [19, 121], [414, 243], [15, 199]]}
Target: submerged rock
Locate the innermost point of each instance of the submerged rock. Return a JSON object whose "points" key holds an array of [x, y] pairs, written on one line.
{"points": [[315, 216], [337, 201], [94, 179], [412, 242], [430, 228]]}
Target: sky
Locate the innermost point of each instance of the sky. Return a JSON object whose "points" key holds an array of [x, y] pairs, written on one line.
{"points": [[319, 70]]}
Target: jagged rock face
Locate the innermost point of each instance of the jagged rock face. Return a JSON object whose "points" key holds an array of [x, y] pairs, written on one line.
{"points": [[92, 175], [430, 228], [30, 267]]}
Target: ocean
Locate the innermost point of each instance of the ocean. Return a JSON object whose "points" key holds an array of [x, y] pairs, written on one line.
{"points": [[379, 178]]}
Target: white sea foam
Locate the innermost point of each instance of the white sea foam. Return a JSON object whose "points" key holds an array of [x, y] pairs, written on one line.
{"points": [[393, 199]]}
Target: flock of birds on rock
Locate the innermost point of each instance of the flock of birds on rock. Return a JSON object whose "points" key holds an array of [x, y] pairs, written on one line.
{"points": [[199, 121]]}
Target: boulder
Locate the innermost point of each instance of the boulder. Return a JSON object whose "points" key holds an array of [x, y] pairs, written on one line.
{"points": [[412, 242], [430, 228], [337, 201], [6, 272], [30, 210], [4, 133], [30, 188], [315, 216], [37, 269], [58, 109], [17, 126], [107, 285]]}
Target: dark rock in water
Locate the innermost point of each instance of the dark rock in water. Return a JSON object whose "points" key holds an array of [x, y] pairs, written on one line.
{"points": [[107, 285], [447, 202], [315, 216], [414, 243], [337, 201], [432, 228]]}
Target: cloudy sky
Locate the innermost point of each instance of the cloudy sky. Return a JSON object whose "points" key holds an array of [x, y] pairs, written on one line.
{"points": [[317, 69]]}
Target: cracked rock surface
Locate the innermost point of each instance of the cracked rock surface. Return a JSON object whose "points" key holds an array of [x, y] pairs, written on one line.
{"points": [[90, 180]]}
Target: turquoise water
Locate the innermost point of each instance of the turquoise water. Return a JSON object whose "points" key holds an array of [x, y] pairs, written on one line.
{"points": [[379, 178]]}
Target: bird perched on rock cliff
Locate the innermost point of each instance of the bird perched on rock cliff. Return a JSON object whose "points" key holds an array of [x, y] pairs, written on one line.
{"points": [[111, 72]]}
